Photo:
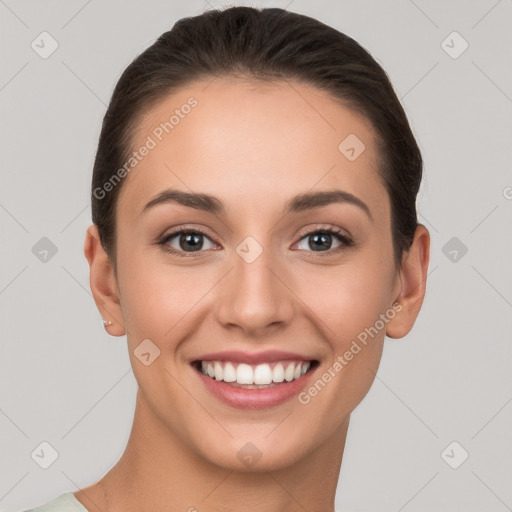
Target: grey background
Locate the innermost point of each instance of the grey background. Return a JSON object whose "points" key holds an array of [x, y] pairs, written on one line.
{"points": [[64, 380]]}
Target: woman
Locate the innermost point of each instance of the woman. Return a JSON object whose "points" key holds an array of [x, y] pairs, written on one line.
{"points": [[255, 237]]}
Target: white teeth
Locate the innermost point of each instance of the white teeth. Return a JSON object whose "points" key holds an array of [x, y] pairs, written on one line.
{"points": [[262, 374], [257, 375], [217, 368], [278, 373], [288, 373], [244, 374], [229, 373]]}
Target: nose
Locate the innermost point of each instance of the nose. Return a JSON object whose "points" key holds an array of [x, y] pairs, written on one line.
{"points": [[255, 297]]}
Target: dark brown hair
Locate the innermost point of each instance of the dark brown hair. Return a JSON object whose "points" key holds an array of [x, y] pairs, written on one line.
{"points": [[263, 44]]}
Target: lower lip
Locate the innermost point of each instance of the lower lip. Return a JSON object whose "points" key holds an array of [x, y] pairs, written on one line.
{"points": [[255, 398]]}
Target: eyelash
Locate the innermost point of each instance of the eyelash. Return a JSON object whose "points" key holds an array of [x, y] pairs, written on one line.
{"points": [[338, 233]]}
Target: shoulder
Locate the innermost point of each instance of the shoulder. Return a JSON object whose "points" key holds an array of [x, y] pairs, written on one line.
{"points": [[64, 503]]}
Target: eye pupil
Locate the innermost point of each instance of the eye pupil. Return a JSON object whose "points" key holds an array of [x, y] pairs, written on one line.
{"points": [[322, 237], [193, 239]]}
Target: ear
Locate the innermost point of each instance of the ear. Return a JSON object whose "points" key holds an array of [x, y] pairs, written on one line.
{"points": [[411, 283], [103, 283]]}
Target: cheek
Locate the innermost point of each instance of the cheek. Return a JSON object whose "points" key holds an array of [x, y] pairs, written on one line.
{"points": [[349, 304], [162, 302], [152, 299], [347, 298]]}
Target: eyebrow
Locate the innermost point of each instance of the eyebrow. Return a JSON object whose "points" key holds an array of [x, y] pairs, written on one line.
{"points": [[299, 203]]}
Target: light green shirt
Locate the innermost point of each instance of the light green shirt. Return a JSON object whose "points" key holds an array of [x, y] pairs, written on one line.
{"points": [[64, 503]]}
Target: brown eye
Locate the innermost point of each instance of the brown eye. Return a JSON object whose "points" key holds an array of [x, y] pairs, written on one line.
{"points": [[185, 241]]}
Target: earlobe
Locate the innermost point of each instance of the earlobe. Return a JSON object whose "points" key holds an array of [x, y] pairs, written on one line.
{"points": [[413, 276], [103, 283]]}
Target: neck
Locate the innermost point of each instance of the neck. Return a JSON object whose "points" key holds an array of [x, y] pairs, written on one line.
{"points": [[157, 471]]}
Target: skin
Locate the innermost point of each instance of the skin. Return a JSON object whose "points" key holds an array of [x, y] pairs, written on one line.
{"points": [[254, 146]]}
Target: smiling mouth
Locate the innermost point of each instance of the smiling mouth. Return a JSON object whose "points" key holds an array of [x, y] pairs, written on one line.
{"points": [[255, 376]]}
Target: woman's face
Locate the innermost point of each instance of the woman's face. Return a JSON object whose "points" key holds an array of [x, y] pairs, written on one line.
{"points": [[256, 273]]}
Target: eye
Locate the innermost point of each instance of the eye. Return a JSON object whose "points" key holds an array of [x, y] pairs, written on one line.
{"points": [[321, 240], [187, 241]]}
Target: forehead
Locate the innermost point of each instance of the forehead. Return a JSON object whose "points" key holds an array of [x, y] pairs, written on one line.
{"points": [[247, 142]]}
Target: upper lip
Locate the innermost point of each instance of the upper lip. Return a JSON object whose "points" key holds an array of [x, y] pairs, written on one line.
{"points": [[237, 356]]}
